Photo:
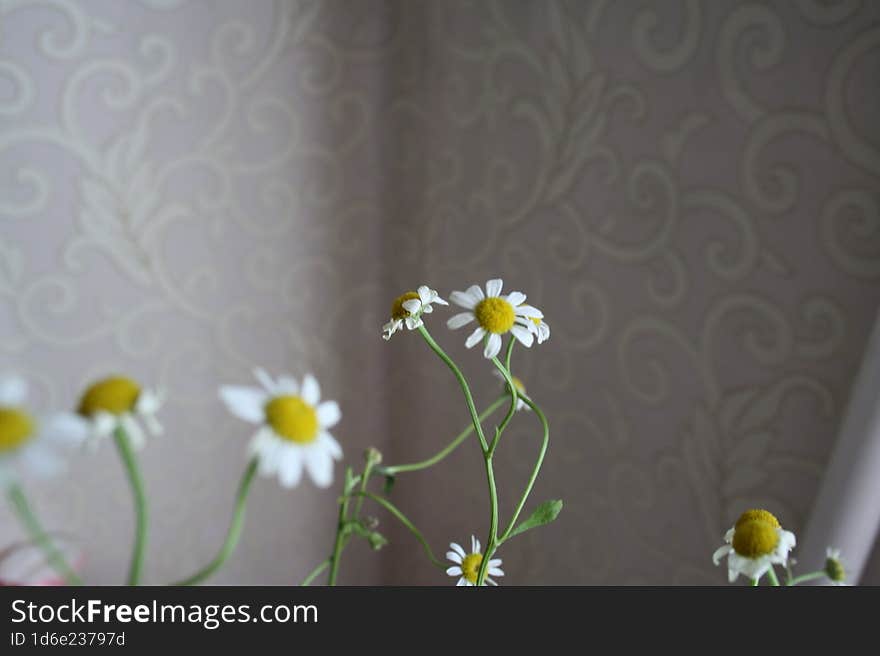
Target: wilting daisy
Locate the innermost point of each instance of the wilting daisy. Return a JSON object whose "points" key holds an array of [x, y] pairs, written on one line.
{"points": [[537, 326], [520, 389], [834, 568], [293, 425], [754, 545], [408, 309], [467, 565], [496, 315], [31, 445], [118, 401]]}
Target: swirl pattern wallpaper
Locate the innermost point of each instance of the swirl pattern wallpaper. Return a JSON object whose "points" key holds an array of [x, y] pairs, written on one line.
{"points": [[689, 190]]}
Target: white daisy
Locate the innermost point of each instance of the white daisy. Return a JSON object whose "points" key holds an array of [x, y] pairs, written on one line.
{"points": [[118, 401], [408, 310], [496, 315], [31, 445], [834, 569], [467, 565], [754, 545], [520, 390], [293, 428], [538, 326]]}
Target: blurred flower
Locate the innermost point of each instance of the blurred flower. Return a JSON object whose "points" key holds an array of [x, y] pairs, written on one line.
{"points": [[118, 401], [520, 389], [754, 545], [834, 568], [31, 445], [496, 315], [537, 326], [409, 308], [467, 565], [293, 427]]}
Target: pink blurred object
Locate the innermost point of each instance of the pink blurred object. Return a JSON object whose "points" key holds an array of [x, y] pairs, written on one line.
{"points": [[25, 563]]}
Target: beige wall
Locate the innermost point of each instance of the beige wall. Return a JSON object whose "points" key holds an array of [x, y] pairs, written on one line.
{"points": [[688, 190]]}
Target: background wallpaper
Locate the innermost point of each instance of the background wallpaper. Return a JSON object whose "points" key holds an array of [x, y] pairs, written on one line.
{"points": [[689, 190]]}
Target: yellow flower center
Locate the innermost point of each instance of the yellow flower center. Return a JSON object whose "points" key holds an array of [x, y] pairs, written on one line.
{"points": [[755, 538], [292, 418], [535, 320], [520, 386], [16, 428], [397, 310], [470, 566], [495, 315], [759, 515], [116, 395]]}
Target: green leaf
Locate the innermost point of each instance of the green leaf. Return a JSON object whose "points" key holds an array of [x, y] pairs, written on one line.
{"points": [[389, 483], [544, 514]]}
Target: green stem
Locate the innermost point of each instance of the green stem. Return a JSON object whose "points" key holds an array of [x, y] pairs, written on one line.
{"points": [[803, 578], [462, 383], [340, 535], [27, 517], [235, 529], [390, 507], [140, 504], [544, 443], [755, 582], [440, 455], [514, 398], [365, 478], [493, 520], [771, 573], [315, 572]]}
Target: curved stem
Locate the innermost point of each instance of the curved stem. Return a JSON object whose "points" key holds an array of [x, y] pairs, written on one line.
{"points": [[390, 507], [235, 529], [771, 574], [315, 572], [544, 443], [514, 399], [493, 520], [338, 543], [449, 448], [27, 517], [803, 578], [461, 381], [135, 480]]}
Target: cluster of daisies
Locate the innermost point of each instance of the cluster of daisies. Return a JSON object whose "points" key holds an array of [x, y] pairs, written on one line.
{"points": [[757, 542]]}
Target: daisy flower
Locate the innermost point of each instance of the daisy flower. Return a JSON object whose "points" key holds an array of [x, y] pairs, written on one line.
{"points": [[31, 445], [118, 401], [293, 425], [520, 389], [495, 315], [834, 568], [538, 326], [467, 565], [408, 310], [754, 545]]}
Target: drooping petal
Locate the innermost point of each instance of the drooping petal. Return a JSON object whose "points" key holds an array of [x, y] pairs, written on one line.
{"points": [[720, 553], [525, 337], [493, 287], [133, 429], [475, 337], [290, 467], [65, 428], [412, 306], [40, 461], [493, 346], [246, 403], [329, 414], [319, 464], [462, 319], [528, 311], [311, 391]]}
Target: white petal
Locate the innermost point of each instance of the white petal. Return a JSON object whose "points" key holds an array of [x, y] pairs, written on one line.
{"points": [[427, 309], [319, 464], [476, 292], [41, 462], [523, 335], [464, 299], [490, 581], [493, 287], [287, 385], [133, 430], [103, 424], [720, 553], [413, 322], [528, 311], [149, 401], [462, 582], [494, 562], [516, 298], [154, 428], [475, 544], [290, 467], [495, 571], [329, 414], [455, 570], [246, 403], [475, 337], [311, 391], [330, 445], [13, 391], [455, 557], [439, 300], [455, 546], [265, 380], [493, 346], [426, 296], [65, 428], [459, 320], [412, 305]]}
